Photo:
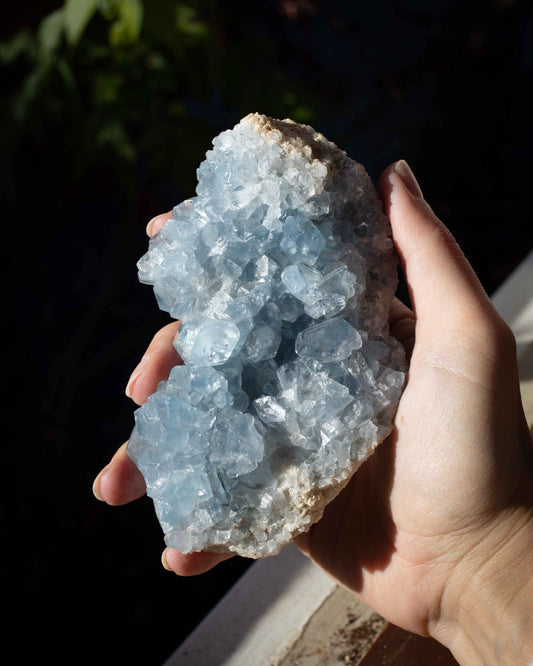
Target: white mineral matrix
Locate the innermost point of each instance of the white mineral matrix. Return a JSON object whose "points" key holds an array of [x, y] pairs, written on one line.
{"points": [[282, 272]]}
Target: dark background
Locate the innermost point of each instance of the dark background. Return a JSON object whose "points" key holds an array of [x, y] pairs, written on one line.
{"points": [[104, 120]]}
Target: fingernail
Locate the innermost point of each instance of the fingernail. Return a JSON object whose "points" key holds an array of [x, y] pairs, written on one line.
{"points": [[408, 178], [96, 484], [135, 375], [164, 561], [96, 490], [149, 225]]}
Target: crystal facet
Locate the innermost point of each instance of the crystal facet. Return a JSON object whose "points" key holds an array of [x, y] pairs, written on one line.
{"points": [[282, 272]]}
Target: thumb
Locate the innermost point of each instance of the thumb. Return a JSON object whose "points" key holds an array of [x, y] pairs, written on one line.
{"points": [[443, 287]]}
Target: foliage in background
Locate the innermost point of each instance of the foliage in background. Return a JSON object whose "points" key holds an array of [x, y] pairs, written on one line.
{"points": [[129, 85]]}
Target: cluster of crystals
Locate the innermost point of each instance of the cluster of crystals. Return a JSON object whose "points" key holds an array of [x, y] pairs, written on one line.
{"points": [[282, 272]]}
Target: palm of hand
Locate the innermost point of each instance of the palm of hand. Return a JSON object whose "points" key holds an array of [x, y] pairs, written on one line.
{"points": [[416, 507]]}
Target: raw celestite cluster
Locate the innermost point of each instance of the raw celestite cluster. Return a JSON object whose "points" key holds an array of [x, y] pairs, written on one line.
{"points": [[282, 272]]}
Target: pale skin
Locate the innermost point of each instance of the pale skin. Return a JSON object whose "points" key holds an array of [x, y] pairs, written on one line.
{"points": [[435, 531]]}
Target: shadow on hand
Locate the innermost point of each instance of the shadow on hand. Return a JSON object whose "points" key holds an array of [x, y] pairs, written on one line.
{"points": [[357, 532]]}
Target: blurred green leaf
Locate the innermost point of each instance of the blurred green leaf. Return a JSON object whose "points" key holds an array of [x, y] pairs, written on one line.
{"points": [[66, 75], [21, 42], [126, 27], [114, 135], [28, 92], [50, 31], [77, 14], [188, 23]]}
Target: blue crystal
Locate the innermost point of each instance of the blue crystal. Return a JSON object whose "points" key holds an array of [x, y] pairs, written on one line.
{"points": [[282, 271], [207, 341], [329, 340], [301, 241]]}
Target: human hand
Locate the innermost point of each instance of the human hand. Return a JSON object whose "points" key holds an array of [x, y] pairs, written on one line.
{"points": [[435, 531], [447, 494]]}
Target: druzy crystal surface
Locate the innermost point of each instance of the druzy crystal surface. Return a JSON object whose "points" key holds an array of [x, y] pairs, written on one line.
{"points": [[282, 271]]}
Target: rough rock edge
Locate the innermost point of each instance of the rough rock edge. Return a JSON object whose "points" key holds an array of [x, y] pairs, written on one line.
{"points": [[308, 507], [309, 503], [303, 139]]}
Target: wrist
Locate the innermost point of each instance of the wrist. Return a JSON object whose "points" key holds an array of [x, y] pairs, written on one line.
{"points": [[487, 608]]}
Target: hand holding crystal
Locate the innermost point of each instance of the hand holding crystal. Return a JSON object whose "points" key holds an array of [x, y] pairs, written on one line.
{"points": [[435, 530]]}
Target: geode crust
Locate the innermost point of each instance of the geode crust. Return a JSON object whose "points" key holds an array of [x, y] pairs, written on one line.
{"points": [[282, 272]]}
